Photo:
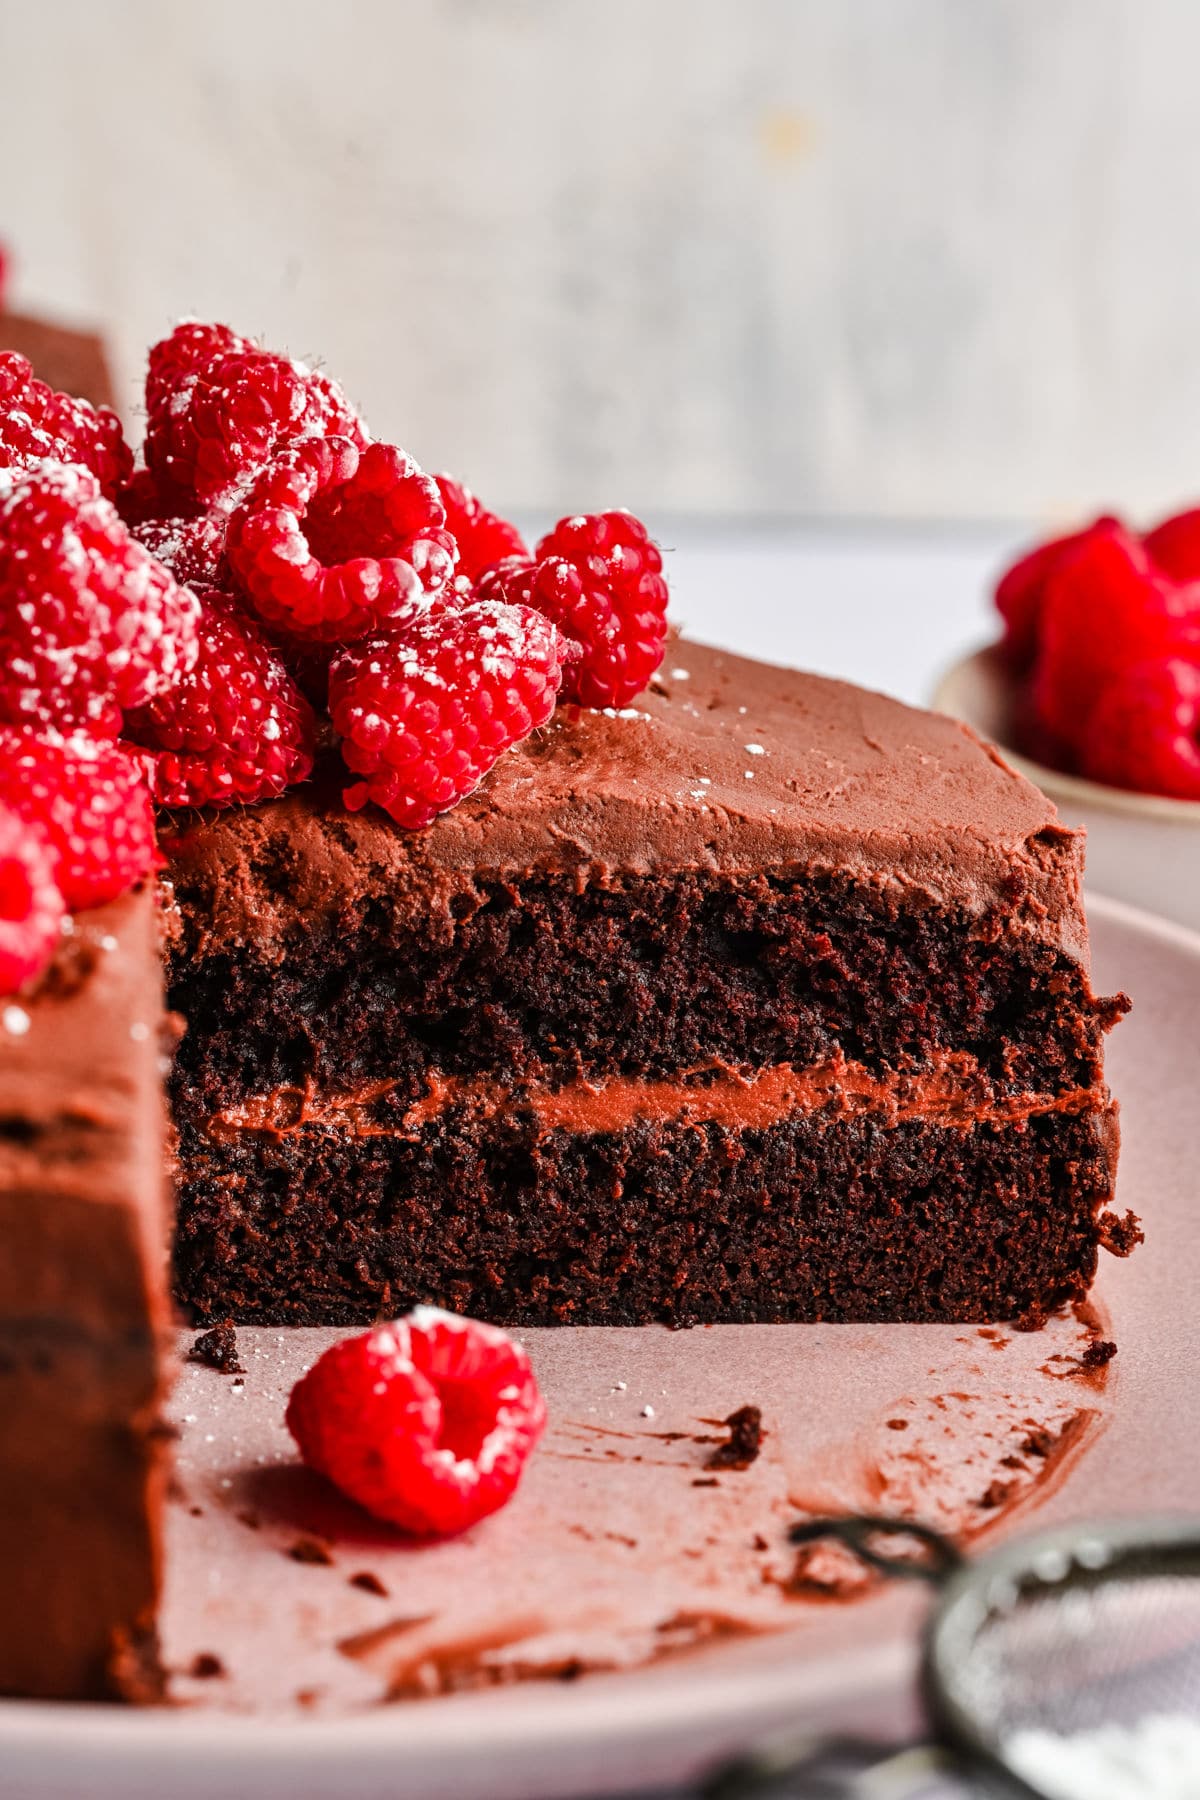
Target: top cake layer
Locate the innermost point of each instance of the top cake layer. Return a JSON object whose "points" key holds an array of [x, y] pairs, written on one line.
{"points": [[725, 765]]}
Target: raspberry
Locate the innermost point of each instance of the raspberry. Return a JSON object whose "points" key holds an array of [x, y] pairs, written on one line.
{"points": [[39, 425], [425, 715], [236, 728], [1021, 590], [218, 410], [90, 623], [193, 549], [140, 499], [427, 1423], [190, 350], [1144, 730], [1174, 546], [1105, 607], [31, 906], [483, 537], [89, 801], [599, 577], [334, 542]]}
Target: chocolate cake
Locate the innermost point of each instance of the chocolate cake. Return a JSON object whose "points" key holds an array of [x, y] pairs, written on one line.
{"points": [[85, 1315], [765, 998], [73, 361]]}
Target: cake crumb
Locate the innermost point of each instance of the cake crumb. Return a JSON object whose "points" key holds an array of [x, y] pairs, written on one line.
{"points": [[206, 1666], [1098, 1354], [705, 1481], [217, 1349], [745, 1440], [647, 1412], [310, 1550], [369, 1583]]}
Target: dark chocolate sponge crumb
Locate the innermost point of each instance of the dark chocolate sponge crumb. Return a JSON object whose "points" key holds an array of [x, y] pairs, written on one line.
{"points": [[745, 1440], [217, 1349]]}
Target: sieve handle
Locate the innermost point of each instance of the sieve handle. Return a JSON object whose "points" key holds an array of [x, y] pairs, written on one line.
{"points": [[859, 1532]]}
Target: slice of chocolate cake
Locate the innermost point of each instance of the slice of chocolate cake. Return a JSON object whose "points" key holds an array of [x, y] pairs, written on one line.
{"points": [[763, 999], [84, 1312], [73, 361]]}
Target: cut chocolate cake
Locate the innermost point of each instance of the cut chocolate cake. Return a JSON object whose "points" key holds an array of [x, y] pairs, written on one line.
{"points": [[85, 1316], [73, 361], [762, 999]]}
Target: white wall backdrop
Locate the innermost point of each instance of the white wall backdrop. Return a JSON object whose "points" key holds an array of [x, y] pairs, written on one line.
{"points": [[784, 257]]}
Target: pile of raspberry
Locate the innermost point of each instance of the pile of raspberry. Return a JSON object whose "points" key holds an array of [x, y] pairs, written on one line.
{"points": [[182, 629], [1102, 628]]}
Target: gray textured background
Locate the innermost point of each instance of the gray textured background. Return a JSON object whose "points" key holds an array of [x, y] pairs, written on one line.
{"points": [[928, 258]]}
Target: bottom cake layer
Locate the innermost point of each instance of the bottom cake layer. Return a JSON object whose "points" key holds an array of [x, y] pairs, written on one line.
{"points": [[814, 1218]]}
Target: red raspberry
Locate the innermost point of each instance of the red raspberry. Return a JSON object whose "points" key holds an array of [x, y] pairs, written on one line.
{"points": [[1105, 608], [483, 537], [192, 549], [140, 499], [236, 728], [90, 802], [214, 421], [31, 906], [90, 623], [427, 1423], [1021, 590], [1174, 546], [1144, 730], [190, 350], [334, 542], [39, 425], [424, 715], [598, 576]]}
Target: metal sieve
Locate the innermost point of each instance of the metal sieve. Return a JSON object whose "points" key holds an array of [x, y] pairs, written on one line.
{"points": [[1062, 1667]]}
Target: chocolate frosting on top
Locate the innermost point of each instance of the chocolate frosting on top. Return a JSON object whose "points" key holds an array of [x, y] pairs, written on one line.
{"points": [[724, 765]]}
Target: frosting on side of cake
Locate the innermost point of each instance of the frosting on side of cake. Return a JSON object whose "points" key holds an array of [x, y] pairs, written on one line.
{"points": [[725, 765]]}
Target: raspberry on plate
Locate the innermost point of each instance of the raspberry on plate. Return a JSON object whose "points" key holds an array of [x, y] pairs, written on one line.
{"points": [[1144, 730], [89, 801], [236, 728], [483, 537], [426, 1423], [38, 424], [599, 577], [334, 542], [31, 906], [424, 715], [90, 622], [1106, 607], [218, 409]]}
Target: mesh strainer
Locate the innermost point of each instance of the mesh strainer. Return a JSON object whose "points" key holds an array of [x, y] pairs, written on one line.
{"points": [[1061, 1667]]}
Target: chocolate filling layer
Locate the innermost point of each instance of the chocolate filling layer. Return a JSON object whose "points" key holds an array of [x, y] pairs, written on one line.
{"points": [[953, 1092]]}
